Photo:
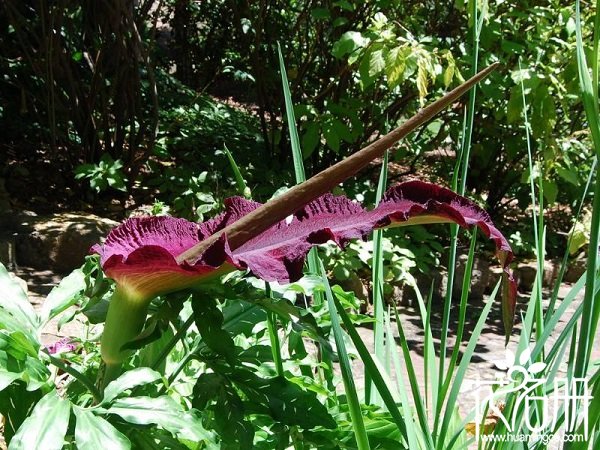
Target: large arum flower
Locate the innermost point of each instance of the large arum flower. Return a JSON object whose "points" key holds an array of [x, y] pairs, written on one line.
{"points": [[142, 254]]}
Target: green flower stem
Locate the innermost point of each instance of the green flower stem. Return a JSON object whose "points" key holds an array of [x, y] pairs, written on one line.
{"points": [[77, 375], [124, 321]]}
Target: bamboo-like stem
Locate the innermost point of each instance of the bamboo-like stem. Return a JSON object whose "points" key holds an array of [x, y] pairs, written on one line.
{"points": [[279, 208]]}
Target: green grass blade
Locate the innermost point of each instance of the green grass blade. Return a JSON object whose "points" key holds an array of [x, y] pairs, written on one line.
{"points": [[463, 366], [373, 369], [431, 380], [291, 120], [313, 255], [358, 424], [411, 430], [537, 220], [459, 182], [591, 309], [563, 265], [239, 179], [274, 336], [461, 325], [413, 381], [377, 278]]}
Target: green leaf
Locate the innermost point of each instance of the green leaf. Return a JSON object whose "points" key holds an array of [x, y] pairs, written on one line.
{"points": [[129, 380], [162, 411], [93, 432], [63, 295], [283, 400], [332, 138], [396, 65], [376, 62], [348, 43], [570, 176], [320, 13], [229, 412], [342, 130], [46, 427], [310, 139], [209, 320], [550, 191], [543, 115], [16, 313], [515, 105], [16, 412]]}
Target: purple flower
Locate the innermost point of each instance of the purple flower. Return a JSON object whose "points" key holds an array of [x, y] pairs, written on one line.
{"points": [[140, 255], [63, 345]]}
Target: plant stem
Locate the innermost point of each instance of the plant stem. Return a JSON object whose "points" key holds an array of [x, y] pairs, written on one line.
{"points": [[273, 336], [279, 208], [171, 344], [77, 375]]}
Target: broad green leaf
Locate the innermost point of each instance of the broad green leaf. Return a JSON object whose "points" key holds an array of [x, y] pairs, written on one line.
{"points": [[63, 295], [570, 176], [46, 427], [543, 115], [283, 400], [376, 62], [93, 433], [162, 411], [396, 65], [229, 412], [332, 138], [515, 105], [550, 191], [14, 301], [16, 404], [342, 130], [348, 43], [311, 138], [422, 78], [128, 380], [209, 320]]}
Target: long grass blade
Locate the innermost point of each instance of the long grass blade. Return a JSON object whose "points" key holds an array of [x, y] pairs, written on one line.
{"points": [[372, 367], [358, 424], [463, 366], [279, 208], [591, 302], [377, 279]]}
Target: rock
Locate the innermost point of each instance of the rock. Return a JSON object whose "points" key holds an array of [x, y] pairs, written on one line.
{"points": [[479, 277], [59, 241], [525, 275], [575, 269]]}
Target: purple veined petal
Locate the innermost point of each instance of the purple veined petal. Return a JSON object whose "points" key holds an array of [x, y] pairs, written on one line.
{"points": [[140, 254], [278, 254]]}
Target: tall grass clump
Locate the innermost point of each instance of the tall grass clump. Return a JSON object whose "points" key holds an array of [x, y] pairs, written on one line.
{"points": [[426, 409]]}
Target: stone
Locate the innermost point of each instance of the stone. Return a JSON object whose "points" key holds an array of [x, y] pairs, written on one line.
{"points": [[59, 241], [575, 269], [525, 274], [479, 277]]}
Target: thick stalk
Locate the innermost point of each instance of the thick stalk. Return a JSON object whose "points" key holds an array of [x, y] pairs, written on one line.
{"points": [[124, 321], [279, 208]]}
